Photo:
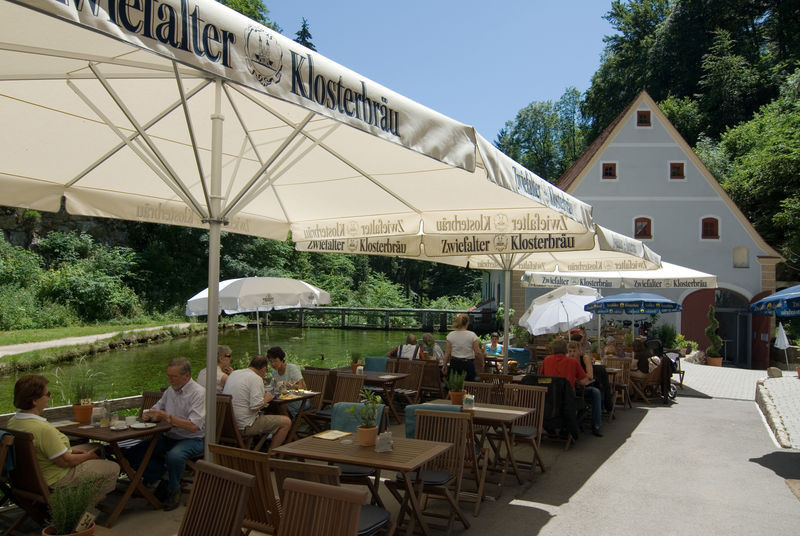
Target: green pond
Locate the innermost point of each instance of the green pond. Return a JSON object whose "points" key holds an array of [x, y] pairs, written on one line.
{"points": [[139, 368]]}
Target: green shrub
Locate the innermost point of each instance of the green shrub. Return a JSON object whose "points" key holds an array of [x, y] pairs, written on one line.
{"points": [[18, 266], [94, 296], [666, 334], [21, 309], [711, 332], [70, 502]]}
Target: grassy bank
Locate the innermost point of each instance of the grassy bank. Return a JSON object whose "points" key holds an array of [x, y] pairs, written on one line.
{"points": [[37, 335], [51, 356]]}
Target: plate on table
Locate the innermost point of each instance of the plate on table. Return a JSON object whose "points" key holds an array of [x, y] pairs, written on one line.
{"points": [[143, 425], [119, 427]]}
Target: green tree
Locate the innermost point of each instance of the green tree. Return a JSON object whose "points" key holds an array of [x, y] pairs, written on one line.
{"points": [[254, 9], [303, 36], [684, 114]]}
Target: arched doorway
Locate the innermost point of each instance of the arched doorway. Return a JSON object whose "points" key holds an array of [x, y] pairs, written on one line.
{"points": [[734, 327]]}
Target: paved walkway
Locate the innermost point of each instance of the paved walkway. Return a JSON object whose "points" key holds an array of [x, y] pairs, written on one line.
{"points": [[73, 341]]}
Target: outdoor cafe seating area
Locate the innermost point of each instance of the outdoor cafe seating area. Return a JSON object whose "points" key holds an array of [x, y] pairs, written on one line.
{"points": [[468, 458]]}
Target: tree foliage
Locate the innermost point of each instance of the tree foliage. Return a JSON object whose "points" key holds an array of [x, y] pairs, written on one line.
{"points": [[303, 36], [254, 9]]}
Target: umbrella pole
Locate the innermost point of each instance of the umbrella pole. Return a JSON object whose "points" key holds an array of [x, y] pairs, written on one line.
{"points": [[214, 233], [258, 332], [507, 297]]}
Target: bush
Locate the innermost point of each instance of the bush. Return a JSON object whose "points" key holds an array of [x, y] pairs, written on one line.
{"points": [[666, 334], [18, 266], [21, 309]]}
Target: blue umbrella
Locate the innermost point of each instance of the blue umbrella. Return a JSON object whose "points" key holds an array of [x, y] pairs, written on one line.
{"points": [[633, 303], [783, 304]]}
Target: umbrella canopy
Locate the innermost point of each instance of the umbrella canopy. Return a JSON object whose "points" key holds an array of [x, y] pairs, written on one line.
{"points": [[559, 310], [785, 303], [249, 294], [781, 340], [668, 276], [634, 303]]}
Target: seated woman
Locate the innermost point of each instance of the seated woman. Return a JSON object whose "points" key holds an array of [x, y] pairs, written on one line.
{"points": [[431, 350], [591, 391], [611, 349], [60, 464], [643, 362], [223, 368]]}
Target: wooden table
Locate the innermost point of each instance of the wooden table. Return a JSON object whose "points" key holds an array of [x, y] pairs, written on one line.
{"points": [[386, 381], [407, 455], [282, 405], [113, 437], [497, 416]]}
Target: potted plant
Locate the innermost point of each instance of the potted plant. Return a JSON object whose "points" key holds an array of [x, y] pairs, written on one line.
{"points": [[714, 351], [68, 509], [455, 384], [355, 362], [629, 342], [367, 413], [78, 388]]}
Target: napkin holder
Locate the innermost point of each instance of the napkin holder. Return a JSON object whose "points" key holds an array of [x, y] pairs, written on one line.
{"points": [[383, 443]]}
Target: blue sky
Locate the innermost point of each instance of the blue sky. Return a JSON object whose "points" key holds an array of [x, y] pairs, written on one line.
{"points": [[476, 61]]}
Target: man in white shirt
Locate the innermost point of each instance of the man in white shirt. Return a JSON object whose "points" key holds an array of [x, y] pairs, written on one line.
{"points": [[246, 386], [183, 406], [409, 350]]}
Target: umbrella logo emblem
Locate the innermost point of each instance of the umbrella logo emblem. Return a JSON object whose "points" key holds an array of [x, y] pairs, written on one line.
{"points": [[352, 245], [352, 228], [500, 243], [264, 56], [501, 222]]}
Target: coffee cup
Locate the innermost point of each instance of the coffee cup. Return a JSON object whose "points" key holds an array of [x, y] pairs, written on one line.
{"points": [[130, 419]]}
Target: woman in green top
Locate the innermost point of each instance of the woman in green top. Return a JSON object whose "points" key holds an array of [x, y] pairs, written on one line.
{"points": [[60, 464]]}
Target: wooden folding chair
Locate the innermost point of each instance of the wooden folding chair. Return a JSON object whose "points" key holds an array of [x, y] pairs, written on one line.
{"points": [[432, 380], [371, 518], [621, 383], [442, 476], [316, 380], [476, 460], [498, 380], [483, 392], [217, 502], [5, 447], [348, 389], [228, 432], [311, 508], [28, 488], [409, 388], [149, 398], [263, 511], [528, 429]]}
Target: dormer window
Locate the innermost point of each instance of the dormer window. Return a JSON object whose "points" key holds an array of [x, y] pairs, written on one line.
{"points": [[609, 170], [643, 118], [642, 228], [676, 171]]}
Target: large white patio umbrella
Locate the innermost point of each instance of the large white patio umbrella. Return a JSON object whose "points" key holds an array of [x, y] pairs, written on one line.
{"points": [[667, 276], [559, 310], [258, 294], [188, 113]]}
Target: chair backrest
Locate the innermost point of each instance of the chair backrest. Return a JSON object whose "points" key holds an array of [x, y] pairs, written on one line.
{"points": [[217, 502], [392, 364], [149, 398], [411, 415], [414, 369], [28, 487], [311, 508], [623, 363], [483, 392], [348, 388], [447, 427], [316, 380], [375, 363], [432, 377], [6, 455], [309, 472], [342, 419], [227, 431], [527, 396], [498, 380], [263, 511]]}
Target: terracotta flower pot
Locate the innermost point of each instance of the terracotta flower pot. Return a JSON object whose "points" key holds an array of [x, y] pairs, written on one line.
{"points": [[798, 371], [457, 397], [367, 435], [354, 366], [49, 531], [714, 361], [83, 413]]}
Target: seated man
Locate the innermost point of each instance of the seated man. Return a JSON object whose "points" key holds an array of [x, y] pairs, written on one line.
{"points": [[183, 406], [409, 350], [287, 373], [246, 386], [558, 364]]}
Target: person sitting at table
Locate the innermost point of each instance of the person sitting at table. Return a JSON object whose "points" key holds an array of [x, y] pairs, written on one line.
{"points": [[409, 350], [431, 350], [611, 349], [463, 351], [223, 368], [558, 364], [493, 347], [183, 406], [60, 465], [246, 387], [286, 373], [591, 390], [643, 361]]}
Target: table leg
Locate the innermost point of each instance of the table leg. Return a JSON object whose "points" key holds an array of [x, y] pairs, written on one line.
{"points": [[509, 441], [135, 478], [388, 393], [413, 492], [292, 435]]}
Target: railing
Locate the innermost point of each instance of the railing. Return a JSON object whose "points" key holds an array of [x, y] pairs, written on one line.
{"points": [[380, 318]]}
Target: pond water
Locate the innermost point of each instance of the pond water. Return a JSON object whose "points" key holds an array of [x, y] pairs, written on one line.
{"points": [[133, 370]]}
